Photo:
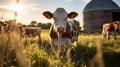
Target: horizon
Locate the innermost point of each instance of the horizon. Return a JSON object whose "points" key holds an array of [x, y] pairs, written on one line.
{"points": [[32, 9]]}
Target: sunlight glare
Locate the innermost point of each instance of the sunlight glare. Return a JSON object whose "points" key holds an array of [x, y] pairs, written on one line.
{"points": [[18, 8]]}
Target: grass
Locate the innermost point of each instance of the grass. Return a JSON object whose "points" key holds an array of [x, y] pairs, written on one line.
{"points": [[45, 35], [91, 51]]}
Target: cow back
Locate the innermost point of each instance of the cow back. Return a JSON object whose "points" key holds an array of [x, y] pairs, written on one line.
{"points": [[32, 31], [113, 26]]}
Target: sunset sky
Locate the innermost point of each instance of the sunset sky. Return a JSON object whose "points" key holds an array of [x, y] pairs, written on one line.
{"points": [[32, 9]]}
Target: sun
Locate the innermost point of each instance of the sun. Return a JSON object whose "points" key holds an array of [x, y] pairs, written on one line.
{"points": [[18, 8]]}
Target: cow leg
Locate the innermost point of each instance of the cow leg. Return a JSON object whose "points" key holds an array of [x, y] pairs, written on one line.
{"points": [[104, 34], [77, 34], [108, 35], [74, 36], [68, 54], [54, 46], [115, 35], [40, 39], [62, 47], [69, 43]]}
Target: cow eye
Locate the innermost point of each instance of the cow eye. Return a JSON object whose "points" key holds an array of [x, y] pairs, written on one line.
{"points": [[55, 19], [65, 19]]}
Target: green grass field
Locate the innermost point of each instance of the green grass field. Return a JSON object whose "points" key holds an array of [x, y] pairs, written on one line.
{"points": [[91, 51]]}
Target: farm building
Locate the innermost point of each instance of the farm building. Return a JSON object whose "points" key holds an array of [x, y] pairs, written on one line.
{"points": [[98, 12]]}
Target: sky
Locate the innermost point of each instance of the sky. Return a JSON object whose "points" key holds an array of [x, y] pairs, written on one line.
{"points": [[33, 9]]}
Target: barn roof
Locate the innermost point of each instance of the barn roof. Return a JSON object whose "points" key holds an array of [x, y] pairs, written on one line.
{"points": [[94, 5]]}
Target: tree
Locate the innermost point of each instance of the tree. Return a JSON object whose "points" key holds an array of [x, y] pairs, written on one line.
{"points": [[19, 23], [39, 24], [45, 25], [33, 23]]}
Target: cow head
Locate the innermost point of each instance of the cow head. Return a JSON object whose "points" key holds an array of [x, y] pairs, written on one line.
{"points": [[116, 25], [60, 17]]}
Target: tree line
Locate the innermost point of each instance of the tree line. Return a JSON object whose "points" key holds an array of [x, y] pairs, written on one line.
{"points": [[46, 25], [40, 24]]}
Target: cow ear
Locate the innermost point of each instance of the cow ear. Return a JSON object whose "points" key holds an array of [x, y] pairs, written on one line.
{"points": [[48, 14], [72, 15]]}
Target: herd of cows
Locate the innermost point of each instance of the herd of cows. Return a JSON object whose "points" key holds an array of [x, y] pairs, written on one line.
{"points": [[22, 30], [62, 31]]}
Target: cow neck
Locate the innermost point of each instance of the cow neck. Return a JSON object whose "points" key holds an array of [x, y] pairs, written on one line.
{"points": [[112, 26], [53, 33]]}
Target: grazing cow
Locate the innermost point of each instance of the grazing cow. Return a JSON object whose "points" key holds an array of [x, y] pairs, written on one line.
{"points": [[3, 27], [110, 28], [63, 32], [30, 31], [22, 30], [6, 26]]}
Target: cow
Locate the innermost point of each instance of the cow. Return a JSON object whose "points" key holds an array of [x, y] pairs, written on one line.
{"points": [[30, 32], [4, 27], [110, 29], [1, 29], [22, 30], [63, 31]]}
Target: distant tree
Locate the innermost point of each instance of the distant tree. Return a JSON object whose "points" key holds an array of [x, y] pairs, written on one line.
{"points": [[48, 25], [19, 23], [77, 23], [33, 23], [8, 21], [45, 25], [39, 24]]}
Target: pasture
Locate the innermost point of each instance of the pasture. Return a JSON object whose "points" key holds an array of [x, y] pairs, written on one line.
{"points": [[91, 51]]}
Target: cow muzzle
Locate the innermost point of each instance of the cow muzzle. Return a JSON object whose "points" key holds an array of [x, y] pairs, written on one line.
{"points": [[60, 29]]}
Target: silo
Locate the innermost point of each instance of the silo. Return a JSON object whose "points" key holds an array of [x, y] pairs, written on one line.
{"points": [[98, 12]]}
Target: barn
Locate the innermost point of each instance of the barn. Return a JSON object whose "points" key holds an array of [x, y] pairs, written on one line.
{"points": [[98, 12]]}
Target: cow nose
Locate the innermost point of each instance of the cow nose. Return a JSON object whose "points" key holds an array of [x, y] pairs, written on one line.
{"points": [[60, 29]]}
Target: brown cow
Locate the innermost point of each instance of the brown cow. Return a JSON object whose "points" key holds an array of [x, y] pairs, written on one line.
{"points": [[1, 29], [22, 30], [30, 32], [63, 32], [4, 27], [110, 28], [7, 26]]}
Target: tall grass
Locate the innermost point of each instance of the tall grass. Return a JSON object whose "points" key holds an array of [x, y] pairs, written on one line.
{"points": [[7, 52], [91, 51]]}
